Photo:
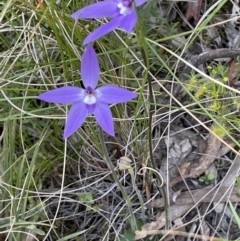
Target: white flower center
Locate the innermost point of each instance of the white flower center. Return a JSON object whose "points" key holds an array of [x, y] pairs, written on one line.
{"points": [[123, 9], [90, 99]]}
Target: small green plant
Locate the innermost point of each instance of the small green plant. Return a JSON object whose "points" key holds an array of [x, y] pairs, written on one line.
{"points": [[202, 87], [237, 184], [235, 214], [216, 98], [220, 130], [207, 178]]}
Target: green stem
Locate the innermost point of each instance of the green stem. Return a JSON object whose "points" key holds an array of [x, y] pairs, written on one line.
{"points": [[116, 179], [144, 51], [130, 170]]}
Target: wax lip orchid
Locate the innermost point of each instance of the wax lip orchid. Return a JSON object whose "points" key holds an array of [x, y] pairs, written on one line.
{"points": [[122, 13], [89, 100]]}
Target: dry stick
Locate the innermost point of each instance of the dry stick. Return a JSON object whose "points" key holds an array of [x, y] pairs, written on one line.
{"points": [[202, 58], [176, 233], [222, 194], [211, 55]]}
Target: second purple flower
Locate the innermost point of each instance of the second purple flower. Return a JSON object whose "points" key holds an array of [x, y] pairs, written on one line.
{"points": [[122, 13]]}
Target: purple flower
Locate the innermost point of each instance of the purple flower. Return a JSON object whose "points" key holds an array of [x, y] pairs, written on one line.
{"points": [[122, 12], [89, 100]]}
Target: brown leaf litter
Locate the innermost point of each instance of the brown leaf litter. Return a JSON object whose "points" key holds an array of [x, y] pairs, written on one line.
{"points": [[196, 169]]}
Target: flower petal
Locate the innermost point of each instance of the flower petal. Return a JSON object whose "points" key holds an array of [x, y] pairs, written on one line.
{"points": [[90, 67], [112, 94], [97, 10], [104, 118], [76, 116], [103, 30], [140, 2], [63, 95], [129, 21]]}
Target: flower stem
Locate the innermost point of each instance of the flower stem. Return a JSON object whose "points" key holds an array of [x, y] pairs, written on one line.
{"points": [[145, 54], [130, 170], [116, 179]]}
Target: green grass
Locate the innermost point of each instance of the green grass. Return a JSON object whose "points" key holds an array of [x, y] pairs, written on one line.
{"points": [[41, 174]]}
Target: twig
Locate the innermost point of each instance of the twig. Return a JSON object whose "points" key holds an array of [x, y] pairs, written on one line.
{"points": [[144, 233]]}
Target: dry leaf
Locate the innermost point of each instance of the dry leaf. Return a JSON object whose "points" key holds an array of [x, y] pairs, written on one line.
{"points": [[196, 169], [174, 212], [183, 168], [193, 11], [233, 72]]}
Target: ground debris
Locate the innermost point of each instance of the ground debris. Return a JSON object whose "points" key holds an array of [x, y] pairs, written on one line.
{"points": [[222, 194], [193, 11], [196, 169]]}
